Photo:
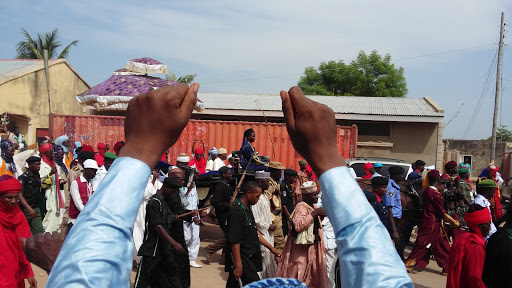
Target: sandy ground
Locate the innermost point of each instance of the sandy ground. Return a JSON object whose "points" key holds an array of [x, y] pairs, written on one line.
{"points": [[213, 275]]}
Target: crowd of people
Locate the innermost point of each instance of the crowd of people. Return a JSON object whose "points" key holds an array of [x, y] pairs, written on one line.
{"points": [[457, 221], [315, 225]]}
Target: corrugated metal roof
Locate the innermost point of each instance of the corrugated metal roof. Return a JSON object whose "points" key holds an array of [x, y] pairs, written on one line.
{"points": [[340, 104], [11, 69]]}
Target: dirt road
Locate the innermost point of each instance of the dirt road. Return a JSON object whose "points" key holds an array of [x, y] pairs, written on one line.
{"points": [[213, 275]]}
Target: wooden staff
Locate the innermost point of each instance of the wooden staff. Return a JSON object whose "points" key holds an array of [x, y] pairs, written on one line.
{"points": [[240, 183], [191, 212]]}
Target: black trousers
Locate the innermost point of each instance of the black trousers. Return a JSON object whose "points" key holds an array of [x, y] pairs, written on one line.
{"points": [[160, 271], [247, 277], [400, 245]]}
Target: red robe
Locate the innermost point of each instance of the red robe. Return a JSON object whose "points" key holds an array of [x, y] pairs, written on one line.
{"points": [[430, 233], [200, 165], [99, 159], [15, 267], [466, 263]]}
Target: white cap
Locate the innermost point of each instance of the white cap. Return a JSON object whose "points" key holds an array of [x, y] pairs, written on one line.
{"points": [[92, 164], [262, 175]]}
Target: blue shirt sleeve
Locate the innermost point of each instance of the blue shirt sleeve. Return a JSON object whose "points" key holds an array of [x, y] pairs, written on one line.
{"points": [[98, 250], [367, 256], [386, 199]]}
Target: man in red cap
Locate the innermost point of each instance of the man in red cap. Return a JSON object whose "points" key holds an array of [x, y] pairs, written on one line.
{"points": [[467, 255], [118, 146], [367, 169], [13, 226], [431, 236], [100, 156], [87, 148]]}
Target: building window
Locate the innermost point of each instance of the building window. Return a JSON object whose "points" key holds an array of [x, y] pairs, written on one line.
{"points": [[373, 129]]}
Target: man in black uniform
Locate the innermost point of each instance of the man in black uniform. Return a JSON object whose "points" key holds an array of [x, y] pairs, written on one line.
{"points": [[164, 253], [379, 189], [243, 255], [221, 202], [31, 196], [290, 176]]}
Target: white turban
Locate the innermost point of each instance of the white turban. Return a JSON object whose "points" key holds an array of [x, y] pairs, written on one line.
{"points": [[183, 158], [262, 175]]}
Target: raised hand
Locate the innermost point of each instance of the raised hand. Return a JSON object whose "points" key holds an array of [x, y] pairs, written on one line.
{"points": [[147, 136], [312, 129]]}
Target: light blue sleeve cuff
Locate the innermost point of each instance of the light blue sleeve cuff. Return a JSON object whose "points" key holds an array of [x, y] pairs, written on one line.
{"points": [[98, 250], [367, 256]]}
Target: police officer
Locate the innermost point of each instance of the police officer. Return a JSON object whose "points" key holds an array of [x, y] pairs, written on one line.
{"points": [[393, 203], [290, 176], [379, 189], [31, 195]]}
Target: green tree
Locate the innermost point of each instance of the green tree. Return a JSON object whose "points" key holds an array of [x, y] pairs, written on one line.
{"points": [[368, 75], [502, 134], [183, 79], [32, 48]]}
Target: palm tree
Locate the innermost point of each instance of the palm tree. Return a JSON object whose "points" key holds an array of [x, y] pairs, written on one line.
{"points": [[33, 48], [183, 79]]}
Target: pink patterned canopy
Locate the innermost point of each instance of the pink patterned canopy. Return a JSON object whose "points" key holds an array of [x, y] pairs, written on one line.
{"points": [[118, 90]]}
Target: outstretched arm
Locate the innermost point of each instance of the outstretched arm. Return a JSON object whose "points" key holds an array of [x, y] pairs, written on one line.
{"points": [[98, 250], [312, 127], [194, 147]]}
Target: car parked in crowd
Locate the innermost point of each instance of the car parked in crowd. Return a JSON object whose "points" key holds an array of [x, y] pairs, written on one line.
{"points": [[358, 162]]}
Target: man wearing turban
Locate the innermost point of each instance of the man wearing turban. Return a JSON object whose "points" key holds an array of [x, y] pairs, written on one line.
{"points": [[486, 190], [432, 237], [100, 156], [7, 164], [304, 253], [50, 182], [13, 226], [469, 248], [492, 173], [198, 160], [68, 155]]}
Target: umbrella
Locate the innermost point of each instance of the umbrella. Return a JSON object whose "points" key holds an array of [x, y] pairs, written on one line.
{"points": [[118, 90], [146, 65], [124, 72]]}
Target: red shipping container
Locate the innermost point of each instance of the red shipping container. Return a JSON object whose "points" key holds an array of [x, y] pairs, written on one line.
{"points": [[271, 139]]}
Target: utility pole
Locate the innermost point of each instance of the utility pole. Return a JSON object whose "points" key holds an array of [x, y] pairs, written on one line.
{"points": [[497, 97], [46, 72]]}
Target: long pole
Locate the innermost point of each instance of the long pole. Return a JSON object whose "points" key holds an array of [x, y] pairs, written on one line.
{"points": [[46, 72], [268, 129], [497, 97]]}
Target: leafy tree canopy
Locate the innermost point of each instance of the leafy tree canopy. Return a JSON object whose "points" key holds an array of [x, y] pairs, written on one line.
{"points": [[502, 134], [182, 79], [368, 75], [32, 48]]}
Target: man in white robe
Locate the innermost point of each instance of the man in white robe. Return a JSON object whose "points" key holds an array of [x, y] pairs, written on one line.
{"points": [[263, 219]]}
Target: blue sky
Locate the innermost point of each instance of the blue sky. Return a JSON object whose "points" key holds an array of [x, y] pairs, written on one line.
{"points": [[445, 47]]}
